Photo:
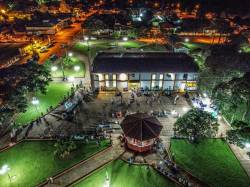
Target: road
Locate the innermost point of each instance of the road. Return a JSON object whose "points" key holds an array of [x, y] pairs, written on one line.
{"points": [[65, 36]]}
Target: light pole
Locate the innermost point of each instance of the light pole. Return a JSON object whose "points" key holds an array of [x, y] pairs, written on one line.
{"points": [[35, 102], [5, 169], [107, 180], [86, 38], [125, 39], [77, 68]]}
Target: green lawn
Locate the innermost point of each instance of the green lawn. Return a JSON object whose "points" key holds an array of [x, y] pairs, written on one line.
{"points": [[122, 174], [54, 95], [69, 70], [32, 162], [99, 45], [193, 46], [212, 161], [246, 48], [130, 44]]}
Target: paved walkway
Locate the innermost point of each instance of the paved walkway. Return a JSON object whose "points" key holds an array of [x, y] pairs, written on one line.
{"points": [[242, 156], [85, 168]]}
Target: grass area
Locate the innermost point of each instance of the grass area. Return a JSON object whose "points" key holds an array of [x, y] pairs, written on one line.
{"points": [[131, 44], [32, 162], [99, 45], [237, 114], [54, 95], [192, 46], [69, 70], [212, 161], [246, 48], [122, 174]]}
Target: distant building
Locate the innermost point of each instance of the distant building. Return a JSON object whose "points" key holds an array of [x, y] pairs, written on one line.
{"points": [[47, 27], [144, 70]]}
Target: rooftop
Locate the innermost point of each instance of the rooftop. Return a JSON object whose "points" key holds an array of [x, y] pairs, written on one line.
{"points": [[109, 62]]}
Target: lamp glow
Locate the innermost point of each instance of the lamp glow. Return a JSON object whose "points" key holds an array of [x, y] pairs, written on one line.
{"points": [[54, 68], [123, 77], [35, 101], [70, 54], [125, 39], [77, 68], [86, 38], [4, 169], [186, 40]]}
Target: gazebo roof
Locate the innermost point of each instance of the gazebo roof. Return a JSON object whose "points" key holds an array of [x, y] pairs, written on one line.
{"points": [[141, 126]]}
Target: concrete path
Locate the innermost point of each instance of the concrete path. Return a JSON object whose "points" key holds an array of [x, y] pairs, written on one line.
{"points": [[85, 168], [242, 156]]}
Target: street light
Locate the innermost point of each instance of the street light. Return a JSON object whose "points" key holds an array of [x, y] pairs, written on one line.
{"points": [[5, 169], [186, 40], [125, 39], [77, 68], [54, 68], [86, 38], [107, 181], [35, 102], [70, 54]]}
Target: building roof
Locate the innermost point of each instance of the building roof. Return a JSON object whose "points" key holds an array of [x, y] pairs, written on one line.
{"points": [[107, 62], [141, 126]]}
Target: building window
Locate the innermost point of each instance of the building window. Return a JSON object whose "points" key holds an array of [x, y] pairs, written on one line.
{"points": [[107, 83], [153, 77], [114, 80], [185, 75], [153, 84], [106, 77], [100, 77], [123, 77], [170, 76], [160, 83], [161, 76]]}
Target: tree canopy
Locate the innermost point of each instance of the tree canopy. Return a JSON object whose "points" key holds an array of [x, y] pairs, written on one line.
{"points": [[240, 134], [196, 125], [18, 82]]}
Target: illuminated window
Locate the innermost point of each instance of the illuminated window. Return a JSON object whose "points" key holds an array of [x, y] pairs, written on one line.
{"points": [[106, 77], [100, 77], [123, 77], [107, 83], [114, 76], [153, 84], [161, 76], [153, 77], [160, 83]]}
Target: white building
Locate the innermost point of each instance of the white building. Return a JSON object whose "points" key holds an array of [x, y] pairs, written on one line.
{"points": [[147, 70]]}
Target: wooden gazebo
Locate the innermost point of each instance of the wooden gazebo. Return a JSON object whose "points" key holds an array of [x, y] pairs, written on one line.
{"points": [[141, 131]]}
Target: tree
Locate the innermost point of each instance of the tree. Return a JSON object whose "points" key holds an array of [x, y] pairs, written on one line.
{"points": [[18, 83], [239, 137], [64, 147], [236, 92], [196, 125]]}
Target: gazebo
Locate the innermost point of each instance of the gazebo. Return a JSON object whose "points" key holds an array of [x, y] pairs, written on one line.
{"points": [[141, 131]]}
